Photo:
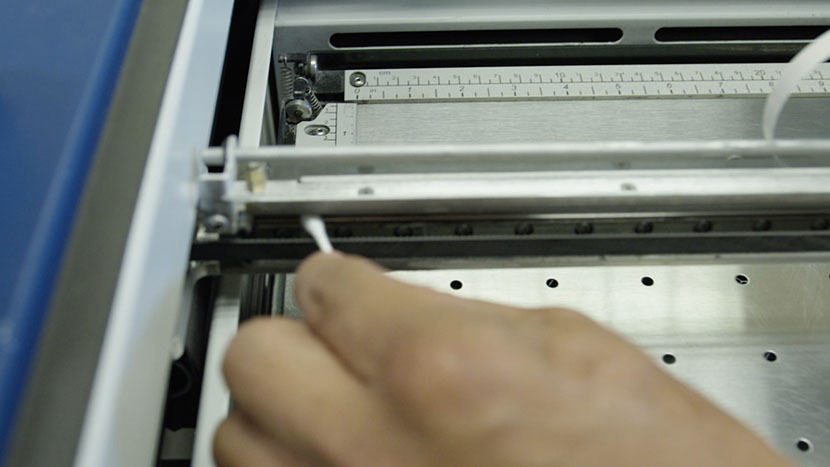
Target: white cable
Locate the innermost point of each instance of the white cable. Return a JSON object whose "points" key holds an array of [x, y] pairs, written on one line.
{"points": [[804, 63], [315, 227]]}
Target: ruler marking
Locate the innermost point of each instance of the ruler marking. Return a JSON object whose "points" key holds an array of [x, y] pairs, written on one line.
{"points": [[335, 128], [590, 82]]}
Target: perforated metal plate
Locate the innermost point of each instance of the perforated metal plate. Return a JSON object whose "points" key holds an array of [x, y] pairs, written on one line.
{"points": [[754, 338]]}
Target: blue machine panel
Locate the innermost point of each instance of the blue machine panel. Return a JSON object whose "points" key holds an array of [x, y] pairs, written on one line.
{"points": [[59, 61]]}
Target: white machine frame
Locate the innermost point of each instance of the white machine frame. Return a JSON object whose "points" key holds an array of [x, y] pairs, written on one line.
{"points": [[125, 407]]}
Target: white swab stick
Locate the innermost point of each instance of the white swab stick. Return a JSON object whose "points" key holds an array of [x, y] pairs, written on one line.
{"points": [[804, 62], [315, 227]]}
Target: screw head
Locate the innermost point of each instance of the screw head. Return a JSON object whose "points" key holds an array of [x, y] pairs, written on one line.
{"points": [[703, 226], [524, 228], [820, 224], [216, 222], [342, 232], [317, 130], [644, 227], [403, 231], [584, 228], [298, 109], [761, 225], [357, 79], [464, 229]]}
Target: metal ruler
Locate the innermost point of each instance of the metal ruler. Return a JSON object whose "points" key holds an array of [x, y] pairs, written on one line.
{"points": [[574, 82], [336, 125]]}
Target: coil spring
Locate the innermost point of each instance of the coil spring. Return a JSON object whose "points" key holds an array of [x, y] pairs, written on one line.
{"points": [[290, 133], [316, 106], [286, 82]]}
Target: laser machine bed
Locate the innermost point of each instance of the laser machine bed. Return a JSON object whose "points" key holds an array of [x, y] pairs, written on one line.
{"points": [[605, 156]]}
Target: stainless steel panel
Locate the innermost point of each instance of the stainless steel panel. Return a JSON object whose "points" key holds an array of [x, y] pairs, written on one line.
{"points": [[290, 163], [303, 26], [592, 120], [642, 191], [718, 321]]}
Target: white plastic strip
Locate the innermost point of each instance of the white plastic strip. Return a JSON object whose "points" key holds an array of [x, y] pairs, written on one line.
{"points": [[124, 412], [804, 63], [315, 227], [215, 398]]}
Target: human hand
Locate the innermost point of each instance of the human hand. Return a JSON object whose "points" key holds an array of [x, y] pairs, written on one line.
{"points": [[388, 374]]}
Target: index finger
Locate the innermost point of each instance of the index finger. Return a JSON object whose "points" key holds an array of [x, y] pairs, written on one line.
{"points": [[358, 311]]}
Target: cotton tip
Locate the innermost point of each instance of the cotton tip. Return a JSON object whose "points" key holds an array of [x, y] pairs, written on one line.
{"points": [[804, 63], [315, 227]]}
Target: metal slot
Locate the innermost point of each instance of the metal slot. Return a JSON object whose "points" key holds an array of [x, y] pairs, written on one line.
{"points": [[474, 37], [517, 250], [738, 33]]}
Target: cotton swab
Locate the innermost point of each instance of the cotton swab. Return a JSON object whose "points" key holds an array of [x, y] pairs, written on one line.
{"points": [[315, 227], [804, 62]]}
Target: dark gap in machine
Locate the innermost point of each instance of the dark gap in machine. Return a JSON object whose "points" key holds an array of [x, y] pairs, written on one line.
{"points": [[474, 37], [739, 33]]}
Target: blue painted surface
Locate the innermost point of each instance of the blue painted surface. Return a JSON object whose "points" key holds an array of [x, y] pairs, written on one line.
{"points": [[59, 61]]}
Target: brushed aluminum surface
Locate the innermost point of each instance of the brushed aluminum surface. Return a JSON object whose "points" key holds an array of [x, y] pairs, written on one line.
{"points": [[586, 120], [717, 320]]}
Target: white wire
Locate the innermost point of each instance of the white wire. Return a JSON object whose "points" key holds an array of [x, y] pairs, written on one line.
{"points": [[804, 63], [315, 227]]}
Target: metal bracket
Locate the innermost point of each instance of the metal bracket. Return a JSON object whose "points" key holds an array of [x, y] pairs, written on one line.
{"points": [[218, 213], [696, 176]]}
